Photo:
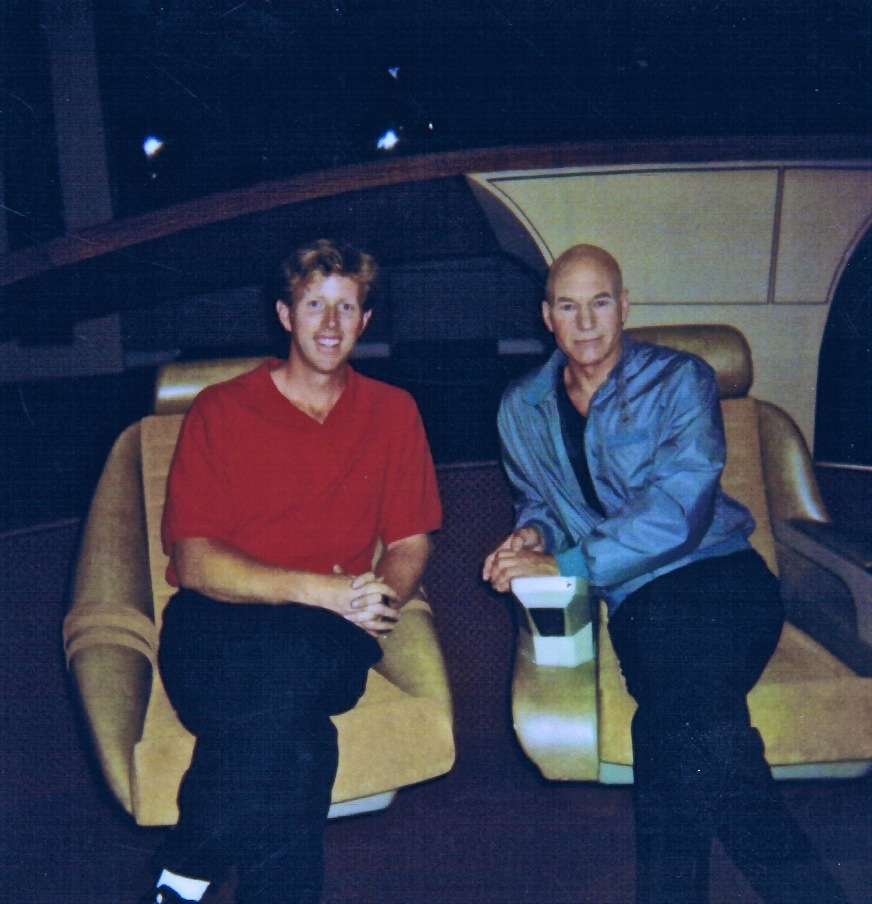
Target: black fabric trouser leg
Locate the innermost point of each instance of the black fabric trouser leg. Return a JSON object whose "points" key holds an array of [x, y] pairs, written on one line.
{"points": [[691, 644], [257, 685]]}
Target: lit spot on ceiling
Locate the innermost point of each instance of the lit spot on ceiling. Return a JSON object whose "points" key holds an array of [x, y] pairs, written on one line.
{"points": [[388, 141], [152, 146]]}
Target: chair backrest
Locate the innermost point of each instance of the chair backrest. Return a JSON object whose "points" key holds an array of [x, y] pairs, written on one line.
{"points": [[176, 386], [723, 347], [178, 383], [159, 435], [728, 353]]}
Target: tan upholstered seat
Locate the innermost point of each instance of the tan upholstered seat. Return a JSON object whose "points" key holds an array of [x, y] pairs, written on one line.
{"points": [[400, 732], [814, 713]]}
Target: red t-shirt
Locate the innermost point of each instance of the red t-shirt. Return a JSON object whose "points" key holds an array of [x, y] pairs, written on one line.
{"points": [[253, 470]]}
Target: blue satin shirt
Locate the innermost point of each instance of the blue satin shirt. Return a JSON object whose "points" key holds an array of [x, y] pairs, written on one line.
{"points": [[655, 447]]}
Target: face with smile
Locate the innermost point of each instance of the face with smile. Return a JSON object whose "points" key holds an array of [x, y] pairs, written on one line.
{"points": [[586, 312], [325, 320]]}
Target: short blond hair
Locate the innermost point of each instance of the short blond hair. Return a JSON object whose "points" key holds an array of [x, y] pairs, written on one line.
{"points": [[326, 258]]}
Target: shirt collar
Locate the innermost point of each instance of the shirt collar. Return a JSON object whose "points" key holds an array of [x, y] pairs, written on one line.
{"points": [[543, 383]]}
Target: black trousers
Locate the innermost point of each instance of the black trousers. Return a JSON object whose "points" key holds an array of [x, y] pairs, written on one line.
{"points": [[691, 644], [257, 685]]}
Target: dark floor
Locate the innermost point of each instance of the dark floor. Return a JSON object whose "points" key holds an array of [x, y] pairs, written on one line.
{"points": [[490, 831]]}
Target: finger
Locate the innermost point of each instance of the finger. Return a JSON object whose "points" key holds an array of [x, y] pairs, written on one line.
{"points": [[506, 558], [385, 611], [371, 583], [510, 568], [361, 580], [377, 590], [506, 543], [498, 580], [365, 601], [376, 618]]}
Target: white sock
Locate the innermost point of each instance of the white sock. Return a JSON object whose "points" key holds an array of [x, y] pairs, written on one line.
{"points": [[190, 889]]}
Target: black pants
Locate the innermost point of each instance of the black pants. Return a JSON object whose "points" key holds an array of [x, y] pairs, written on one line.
{"points": [[257, 685], [691, 644]]}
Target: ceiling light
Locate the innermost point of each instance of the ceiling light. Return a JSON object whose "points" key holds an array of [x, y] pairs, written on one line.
{"points": [[388, 141], [152, 146]]}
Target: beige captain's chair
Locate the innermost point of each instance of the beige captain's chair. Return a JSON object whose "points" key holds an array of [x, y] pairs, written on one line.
{"points": [[400, 732], [814, 713]]}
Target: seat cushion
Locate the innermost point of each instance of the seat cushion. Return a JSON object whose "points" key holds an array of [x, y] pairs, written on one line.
{"points": [[808, 706], [389, 740], [743, 473]]}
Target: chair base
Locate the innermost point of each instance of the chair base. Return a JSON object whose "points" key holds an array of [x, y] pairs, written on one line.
{"points": [[361, 805], [621, 774]]}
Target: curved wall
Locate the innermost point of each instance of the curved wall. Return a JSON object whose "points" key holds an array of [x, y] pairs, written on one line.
{"points": [[752, 232], [759, 245]]}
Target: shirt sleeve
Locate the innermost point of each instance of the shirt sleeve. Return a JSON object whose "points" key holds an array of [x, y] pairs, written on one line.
{"points": [[517, 435], [411, 502]]}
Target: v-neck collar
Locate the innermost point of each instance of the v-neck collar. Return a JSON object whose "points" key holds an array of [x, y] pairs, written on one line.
{"points": [[281, 403]]}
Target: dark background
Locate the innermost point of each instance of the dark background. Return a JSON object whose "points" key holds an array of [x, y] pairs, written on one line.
{"points": [[242, 91]]}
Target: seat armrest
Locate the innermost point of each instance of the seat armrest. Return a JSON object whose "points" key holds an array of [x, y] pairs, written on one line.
{"points": [[845, 554], [110, 638], [856, 548], [114, 685], [557, 628], [412, 658]]}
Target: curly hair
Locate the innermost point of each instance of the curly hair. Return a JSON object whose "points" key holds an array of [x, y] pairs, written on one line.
{"points": [[326, 258]]}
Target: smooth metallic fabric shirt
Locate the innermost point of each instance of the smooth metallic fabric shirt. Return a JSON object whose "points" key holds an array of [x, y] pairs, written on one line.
{"points": [[655, 449]]}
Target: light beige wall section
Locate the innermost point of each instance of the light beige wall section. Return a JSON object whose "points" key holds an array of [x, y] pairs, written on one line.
{"points": [[823, 214], [785, 359], [758, 246], [677, 233]]}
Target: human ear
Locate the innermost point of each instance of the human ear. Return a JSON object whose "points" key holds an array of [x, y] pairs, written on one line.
{"points": [[283, 310], [546, 315], [625, 306]]}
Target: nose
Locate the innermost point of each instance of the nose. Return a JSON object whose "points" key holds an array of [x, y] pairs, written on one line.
{"points": [[585, 318], [331, 316]]}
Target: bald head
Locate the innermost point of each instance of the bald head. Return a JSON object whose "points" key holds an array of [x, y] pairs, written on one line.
{"points": [[585, 254]]}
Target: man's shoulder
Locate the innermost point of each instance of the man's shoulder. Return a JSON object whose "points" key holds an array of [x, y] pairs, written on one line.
{"points": [[535, 384], [239, 390], [372, 391], [663, 361]]}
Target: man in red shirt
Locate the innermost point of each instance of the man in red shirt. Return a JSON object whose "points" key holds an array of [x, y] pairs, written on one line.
{"points": [[284, 482]]}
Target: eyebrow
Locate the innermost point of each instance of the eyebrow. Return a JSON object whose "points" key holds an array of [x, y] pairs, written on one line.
{"points": [[609, 295]]}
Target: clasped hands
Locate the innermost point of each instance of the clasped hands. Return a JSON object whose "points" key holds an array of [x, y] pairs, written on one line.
{"points": [[366, 602], [522, 554]]}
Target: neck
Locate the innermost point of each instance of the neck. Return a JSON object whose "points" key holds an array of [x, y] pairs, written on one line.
{"points": [[582, 382], [313, 393]]}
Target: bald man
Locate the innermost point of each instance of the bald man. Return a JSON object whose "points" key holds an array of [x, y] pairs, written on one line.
{"points": [[615, 450]]}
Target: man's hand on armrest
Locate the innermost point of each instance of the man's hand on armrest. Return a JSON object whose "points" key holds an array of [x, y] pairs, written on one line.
{"points": [[223, 572], [522, 554]]}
